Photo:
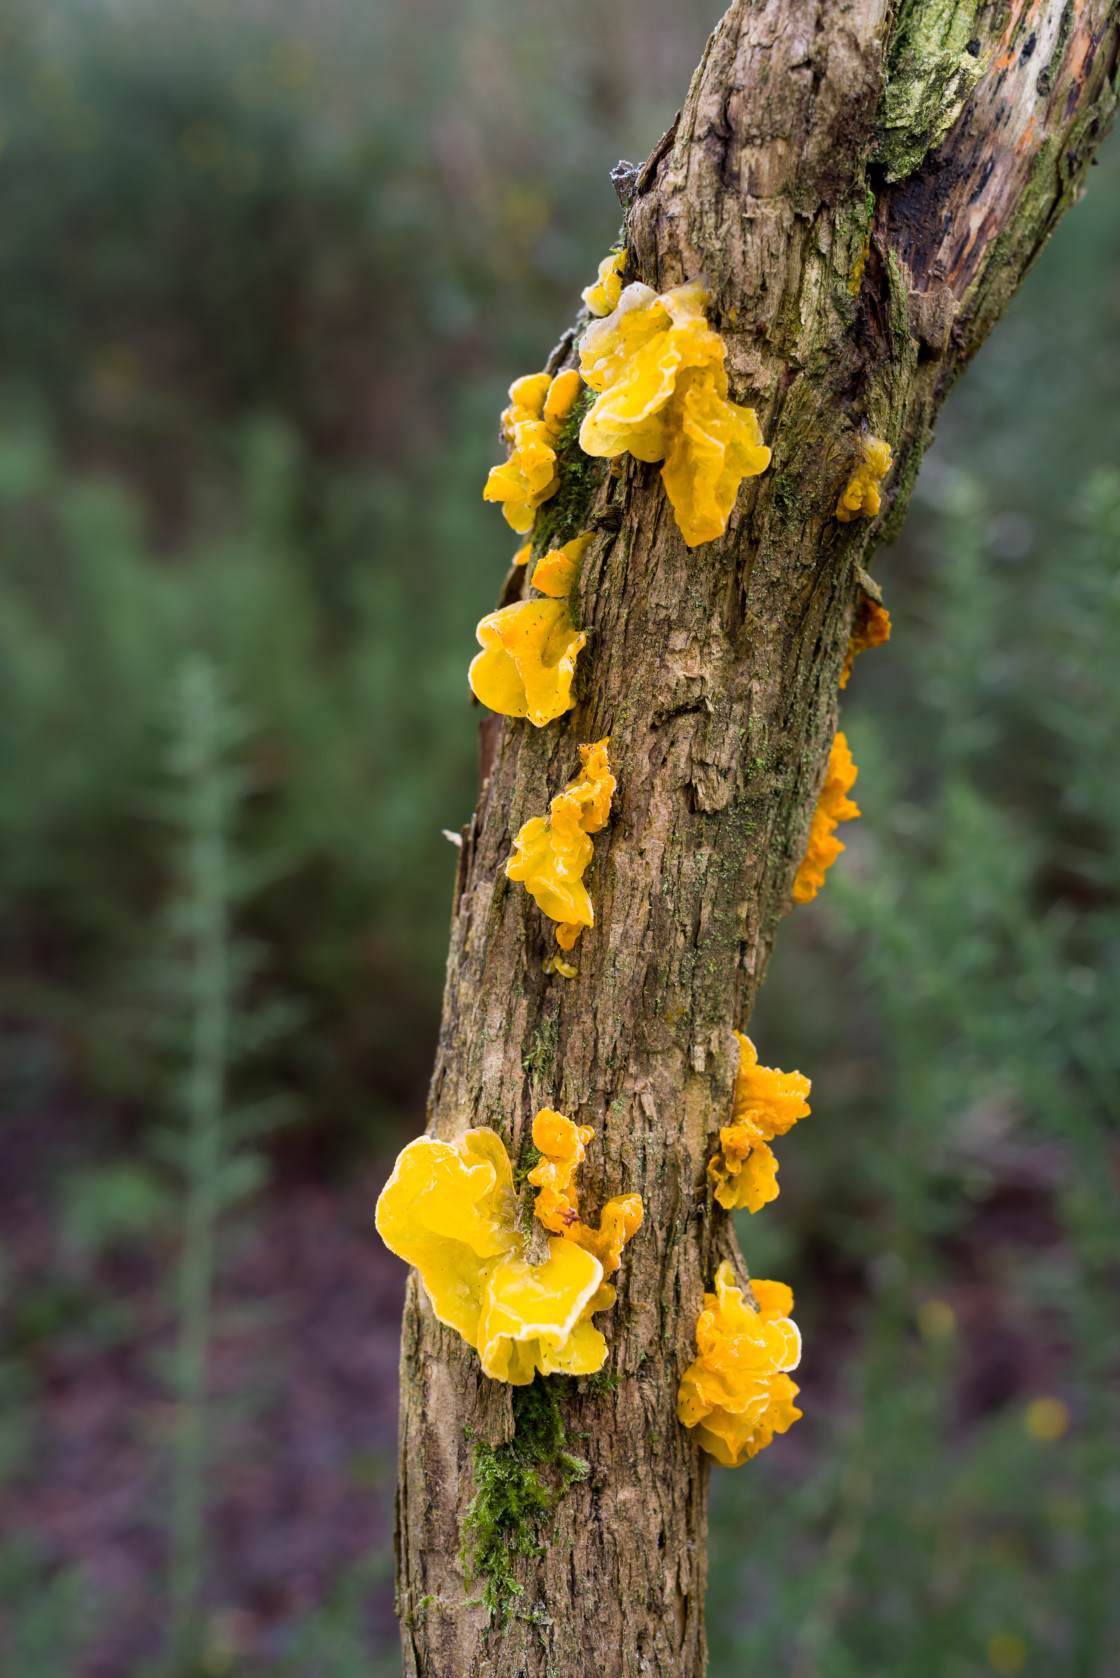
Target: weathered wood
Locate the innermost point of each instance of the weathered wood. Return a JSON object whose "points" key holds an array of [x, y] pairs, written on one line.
{"points": [[715, 673]]}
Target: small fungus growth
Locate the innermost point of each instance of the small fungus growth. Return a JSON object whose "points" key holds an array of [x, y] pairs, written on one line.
{"points": [[562, 1145], [871, 629], [449, 1209], [538, 407], [861, 495], [528, 660], [551, 852], [767, 1103], [833, 806], [602, 297], [738, 1394], [557, 573], [658, 368]]}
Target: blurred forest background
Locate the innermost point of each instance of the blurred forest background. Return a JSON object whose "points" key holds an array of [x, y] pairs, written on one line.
{"points": [[266, 271]]}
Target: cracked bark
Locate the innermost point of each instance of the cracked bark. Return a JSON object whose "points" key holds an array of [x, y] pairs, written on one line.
{"points": [[715, 673]]}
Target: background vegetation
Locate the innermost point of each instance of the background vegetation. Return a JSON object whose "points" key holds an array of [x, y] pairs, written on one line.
{"points": [[266, 272]]}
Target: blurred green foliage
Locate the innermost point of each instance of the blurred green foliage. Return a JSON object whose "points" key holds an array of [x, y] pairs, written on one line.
{"points": [[265, 274]]}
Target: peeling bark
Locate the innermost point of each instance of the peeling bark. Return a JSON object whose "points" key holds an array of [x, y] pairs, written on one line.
{"points": [[715, 673]]}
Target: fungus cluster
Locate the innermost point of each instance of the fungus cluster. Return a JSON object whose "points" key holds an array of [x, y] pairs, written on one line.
{"points": [[766, 1104], [449, 1209], [833, 806], [551, 852], [658, 368], [860, 498], [538, 407], [602, 297], [738, 1394], [871, 629], [530, 649]]}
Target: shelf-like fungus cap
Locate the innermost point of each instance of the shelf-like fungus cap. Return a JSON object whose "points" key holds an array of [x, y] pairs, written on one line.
{"points": [[529, 660], [531, 1316]]}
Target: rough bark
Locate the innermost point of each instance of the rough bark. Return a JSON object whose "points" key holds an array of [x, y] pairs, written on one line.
{"points": [[806, 133]]}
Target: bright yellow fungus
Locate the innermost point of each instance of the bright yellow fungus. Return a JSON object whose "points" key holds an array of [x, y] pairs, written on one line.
{"points": [[551, 852], [833, 806], [449, 1210], [562, 1145], [861, 496], [738, 1394], [766, 1104], [557, 964], [537, 408], [529, 660], [871, 629], [523, 554], [659, 371], [603, 296], [558, 572], [563, 393]]}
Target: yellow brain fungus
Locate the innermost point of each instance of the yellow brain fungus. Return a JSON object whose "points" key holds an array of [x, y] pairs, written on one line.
{"points": [[766, 1104], [551, 852], [871, 629], [738, 1394], [861, 496], [563, 1145], [833, 806], [449, 1210], [602, 297], [558, 572], [538, 407], [659, 372], [528, 661]]}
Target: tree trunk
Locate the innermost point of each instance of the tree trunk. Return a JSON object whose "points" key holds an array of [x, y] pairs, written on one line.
{"points": [[945, 139]]}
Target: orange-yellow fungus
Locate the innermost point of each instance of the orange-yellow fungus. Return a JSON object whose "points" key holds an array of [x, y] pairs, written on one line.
{"points": [[538, 405], [766, 1104], [603, 295], [523, 554], [563, 393], [871, 629], [861, 495], [563, 1144], [528, 661], [738, 1394], [659, 371], [833, 806], [449, 1210], [558, 572], [551, 852], [557, 964]]}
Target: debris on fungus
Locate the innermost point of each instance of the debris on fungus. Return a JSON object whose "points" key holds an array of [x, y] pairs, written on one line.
{"points": [[449, 1210], [538, 407], [602, 297], [861, 496], [528, 660], [551, 852], [871, 629], [562, 1145], [766, 1104], [738, 1394], [659, 372], [833, 806]]}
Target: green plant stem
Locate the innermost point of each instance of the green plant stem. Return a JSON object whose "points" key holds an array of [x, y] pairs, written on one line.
{"points": [[207, 866]]}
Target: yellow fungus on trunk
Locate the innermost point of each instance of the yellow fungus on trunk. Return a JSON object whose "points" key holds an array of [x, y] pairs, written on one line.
{"points": [[552, 852], [603, 295], [529, 660], [766, 1104], [449, 1209], [557, 573], [538, 406], [658, 368], [738, 1394], [872, 628], [563, 1145], [860, 498], [833, 806]]}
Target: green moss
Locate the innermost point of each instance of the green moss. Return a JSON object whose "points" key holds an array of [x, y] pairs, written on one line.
{"points": [[513, 1497], [930, 74], [540, 1058]]}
